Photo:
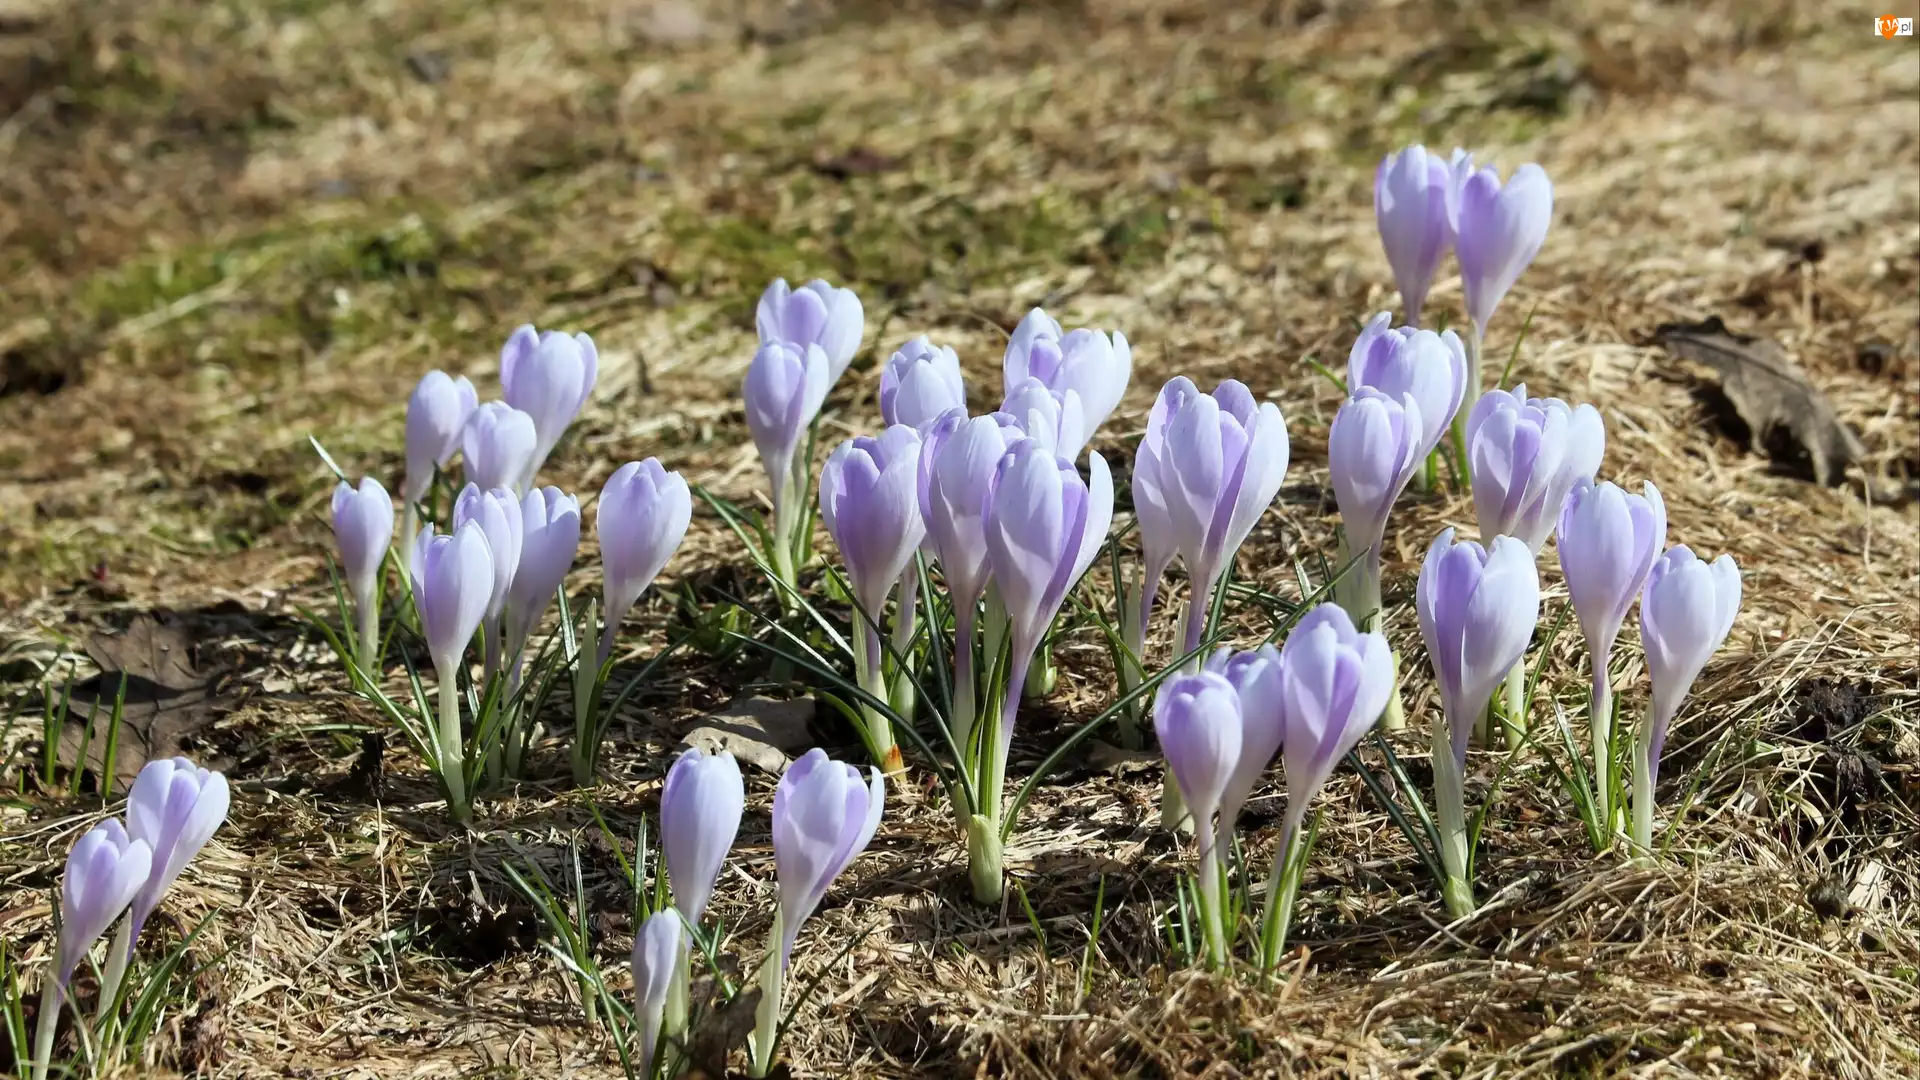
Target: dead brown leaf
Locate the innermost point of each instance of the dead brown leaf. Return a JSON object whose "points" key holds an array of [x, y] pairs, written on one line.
{"points": [[1769, 391], [759, 731], [168, 701]]}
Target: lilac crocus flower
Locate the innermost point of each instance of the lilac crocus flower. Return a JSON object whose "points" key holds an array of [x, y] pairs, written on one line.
{"points": [[1478, 608], [1334, 681], [1373, 449], [437, 414], [549, 377], [824, 813], [104, 871], [1197, 718], [1608, 541], [1526, 454], [642, 517], [498, 514], [1501, 229], [656, 956], [1056, 418], [497, 446], [869, 502], [700, 810], [452, 585], [549, 537], [1158, 538], [363, 528], [1043, 525], [814, 314], [1411, 191], [1255, 675], [1220, 466], [175, 807], [1401, 362], [1094, 365], [783, 390], [920, 383], [1686, 612], [957, 463]]}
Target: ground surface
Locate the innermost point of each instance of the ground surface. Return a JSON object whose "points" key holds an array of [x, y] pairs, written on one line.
{"points": [[226, 226]]}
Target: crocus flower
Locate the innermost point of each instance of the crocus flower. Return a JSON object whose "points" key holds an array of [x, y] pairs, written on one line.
{"points": [[1219, 467], [1501, 229], [1334, 681], [497, 446], [174, 808], [957, 463], [105, 870], [1526, 454], [452, 586], [549, 537], [784, 388], [1088, 362], [1198, 720], [815, 314], [869, 502], [1158, 542], [1043, 526], [643, 515], [498, 514], [1686, 612], [437, 413], [547, 376], [1255, 675], [700, 810], [1402, 362], [1410, 195], [656, 954], [363, 527], [1608, 542], [1478, 607], [920, 382], [1056, 418], [1373, 449], [824, 813]]}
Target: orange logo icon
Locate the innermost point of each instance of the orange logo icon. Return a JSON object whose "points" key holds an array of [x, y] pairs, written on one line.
{"points": [[1889, 26]]}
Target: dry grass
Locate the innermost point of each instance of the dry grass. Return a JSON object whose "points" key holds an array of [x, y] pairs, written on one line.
{"points": [[225, 226]]}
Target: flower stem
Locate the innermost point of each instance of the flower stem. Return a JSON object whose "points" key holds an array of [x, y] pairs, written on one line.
{"points": [[867, 671], [1474, 343], [1601, 722], [1212, 914], [1516, 706], [902, 695], [1283, 882], [452, 752], [1133, 633], [1643, 767], [119, 955], [1449, 807], [368, 639], [965, 703], [50, 997], [766, 1016]]}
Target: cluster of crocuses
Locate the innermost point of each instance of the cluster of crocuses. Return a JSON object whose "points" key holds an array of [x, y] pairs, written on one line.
{"points": [[1531, 465], [824, 814], [505, 555], [995, 501], [124, 868]]}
